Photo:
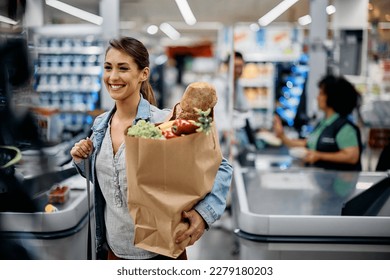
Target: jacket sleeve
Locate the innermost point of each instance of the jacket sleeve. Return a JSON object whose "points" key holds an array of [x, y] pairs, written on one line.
{"points": [[213, 205], [80, 167]]}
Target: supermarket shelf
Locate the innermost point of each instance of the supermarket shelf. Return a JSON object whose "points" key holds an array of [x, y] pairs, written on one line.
{"points": [[91, 50], [89, 70]]}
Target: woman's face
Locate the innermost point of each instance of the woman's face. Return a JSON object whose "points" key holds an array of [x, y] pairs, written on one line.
{"points": [[122, 77], [321, 99]]}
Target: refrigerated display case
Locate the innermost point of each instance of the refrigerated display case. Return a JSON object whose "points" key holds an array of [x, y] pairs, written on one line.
{"points": [[67, 77], [290, 92]]}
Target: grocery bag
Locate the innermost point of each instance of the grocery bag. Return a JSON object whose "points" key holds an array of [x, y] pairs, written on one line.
{"points": [[165, 178]]}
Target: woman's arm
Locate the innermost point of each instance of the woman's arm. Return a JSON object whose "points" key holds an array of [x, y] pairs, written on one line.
{"points": [[348, 155], [211, 208], [348, 143], [293, 142], [213, 205], [279, 132]]}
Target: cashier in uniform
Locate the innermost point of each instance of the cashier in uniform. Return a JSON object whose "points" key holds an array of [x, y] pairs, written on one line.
{"points": [[335, 142]]}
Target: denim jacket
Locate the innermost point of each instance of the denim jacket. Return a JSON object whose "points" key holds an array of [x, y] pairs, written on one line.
{"points": [[210, 208]]}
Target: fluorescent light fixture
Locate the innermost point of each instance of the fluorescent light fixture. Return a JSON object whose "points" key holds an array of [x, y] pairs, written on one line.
{"points": [[330, 9], [254, 27], [305, 20], [8, 20], [152, 29], [186, 12], [98, 20], [169, 31], [276, 12]]}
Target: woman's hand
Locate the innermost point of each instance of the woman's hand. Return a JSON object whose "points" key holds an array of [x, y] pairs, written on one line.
{"points": [[196, 229], [311, 157], [348, 155], [81, 150]]}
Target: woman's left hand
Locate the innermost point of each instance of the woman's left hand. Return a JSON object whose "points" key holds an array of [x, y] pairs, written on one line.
{"points": [[196, 229]]}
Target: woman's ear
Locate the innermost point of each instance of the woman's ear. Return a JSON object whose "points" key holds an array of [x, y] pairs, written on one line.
{"points": [[145, 74]]}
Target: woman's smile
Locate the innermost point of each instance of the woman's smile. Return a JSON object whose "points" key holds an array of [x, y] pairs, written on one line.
{"points": [[116, 86]]}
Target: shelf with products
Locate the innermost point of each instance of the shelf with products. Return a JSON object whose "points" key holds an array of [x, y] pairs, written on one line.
{"points": [[290, 91], [258, 82], [67, 79]]}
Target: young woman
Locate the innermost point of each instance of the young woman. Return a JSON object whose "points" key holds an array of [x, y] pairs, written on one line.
{"points": [[126, 77], [335, 142]]}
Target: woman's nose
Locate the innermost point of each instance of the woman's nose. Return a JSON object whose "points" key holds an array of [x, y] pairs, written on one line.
{"points": [[113, 74]]}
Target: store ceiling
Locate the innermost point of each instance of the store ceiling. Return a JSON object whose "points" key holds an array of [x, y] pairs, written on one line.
{"points": [[136, 15]]}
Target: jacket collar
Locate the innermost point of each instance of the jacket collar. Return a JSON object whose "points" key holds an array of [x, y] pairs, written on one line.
{"points": [[143, 112]]}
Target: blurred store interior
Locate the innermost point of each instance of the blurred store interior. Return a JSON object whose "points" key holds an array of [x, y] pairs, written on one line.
{"points": [[51, 90]]}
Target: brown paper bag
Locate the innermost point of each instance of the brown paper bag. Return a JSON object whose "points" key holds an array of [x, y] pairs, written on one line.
{"points": [[165, 178]]}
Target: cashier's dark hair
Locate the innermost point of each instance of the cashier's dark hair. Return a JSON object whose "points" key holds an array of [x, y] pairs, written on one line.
{"points": [[237, 54], [341, 94], [140, 55]]}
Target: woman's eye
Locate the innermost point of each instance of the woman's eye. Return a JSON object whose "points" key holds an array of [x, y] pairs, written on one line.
{"points": [[123, 68], [107, 68]]}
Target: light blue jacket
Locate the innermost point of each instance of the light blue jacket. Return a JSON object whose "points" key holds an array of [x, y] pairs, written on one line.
{"points": [[210, 208]]}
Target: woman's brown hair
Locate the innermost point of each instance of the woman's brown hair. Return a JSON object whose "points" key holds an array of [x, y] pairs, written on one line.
{"points": [[140, 54]]}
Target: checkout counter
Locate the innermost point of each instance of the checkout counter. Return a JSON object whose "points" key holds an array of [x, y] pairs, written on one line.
{"points": [[282, 210], [62, 234]]}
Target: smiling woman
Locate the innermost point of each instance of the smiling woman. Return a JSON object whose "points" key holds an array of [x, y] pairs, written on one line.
{"points": [[126, 77], [128, 59]]}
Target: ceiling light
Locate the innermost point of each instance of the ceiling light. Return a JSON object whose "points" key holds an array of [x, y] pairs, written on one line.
{"points": [[254, 27], [186, 12], [276, 12], [8, 20], [98, 20], [305, 20], [330, 9], [169, 31], [152, 29]]}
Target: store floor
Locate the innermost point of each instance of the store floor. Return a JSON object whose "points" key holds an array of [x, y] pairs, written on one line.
{"points": [[218, 243]]}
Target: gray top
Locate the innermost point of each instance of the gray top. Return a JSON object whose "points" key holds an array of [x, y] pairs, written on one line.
{"points": [[111, 174]]}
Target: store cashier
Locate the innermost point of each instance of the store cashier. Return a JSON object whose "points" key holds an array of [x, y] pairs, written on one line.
{"points": [[335, 142]]}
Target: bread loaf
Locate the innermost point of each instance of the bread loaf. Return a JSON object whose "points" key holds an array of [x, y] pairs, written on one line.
{"points": [[199, 95]]}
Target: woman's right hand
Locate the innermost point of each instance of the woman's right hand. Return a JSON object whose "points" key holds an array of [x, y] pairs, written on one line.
{"points": [[81, 150], [278, 127]]}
